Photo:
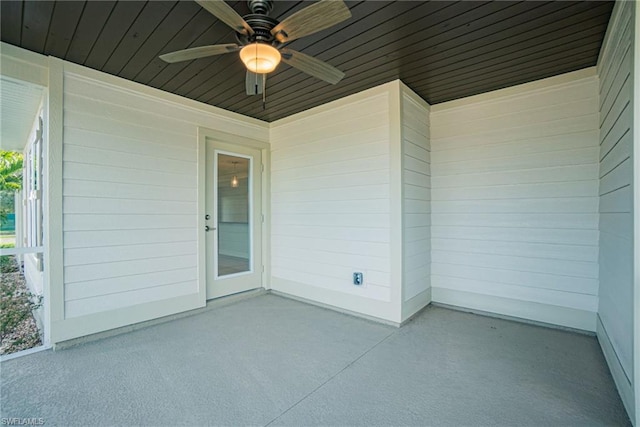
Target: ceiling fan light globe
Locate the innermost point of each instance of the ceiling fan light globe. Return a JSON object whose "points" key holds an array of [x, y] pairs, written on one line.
{"points": [[260, 66], [260, 58]]}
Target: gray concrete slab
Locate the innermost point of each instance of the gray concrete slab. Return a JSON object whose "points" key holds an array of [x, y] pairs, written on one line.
{"points": [[452, 368], [272, 360]]}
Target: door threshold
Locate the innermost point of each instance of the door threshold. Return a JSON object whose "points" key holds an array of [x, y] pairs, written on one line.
{"points": [[227, 299]]}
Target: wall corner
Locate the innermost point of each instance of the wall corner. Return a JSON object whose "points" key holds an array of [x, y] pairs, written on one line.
{"points": [[396, 197], [54, 248]]}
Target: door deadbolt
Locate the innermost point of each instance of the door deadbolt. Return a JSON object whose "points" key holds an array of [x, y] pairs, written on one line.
{"points": [[207, 217]]}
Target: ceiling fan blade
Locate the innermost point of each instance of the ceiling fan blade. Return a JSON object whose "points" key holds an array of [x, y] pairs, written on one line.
{"points": [[199, 52], [254, 83], [312, 66], [311, 19], [221, 10]]}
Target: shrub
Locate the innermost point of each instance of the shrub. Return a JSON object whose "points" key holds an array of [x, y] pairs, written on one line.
{"points": [[17, 327], [8, 265]]}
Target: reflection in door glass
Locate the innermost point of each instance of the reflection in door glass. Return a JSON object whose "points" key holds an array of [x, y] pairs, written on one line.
{"points": [[234, 234]]}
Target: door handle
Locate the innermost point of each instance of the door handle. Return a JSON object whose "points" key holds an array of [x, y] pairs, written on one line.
{"points": [[207, 228]]}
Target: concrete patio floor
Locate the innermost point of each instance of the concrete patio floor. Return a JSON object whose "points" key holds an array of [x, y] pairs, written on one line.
{"points": [[268, 360]]}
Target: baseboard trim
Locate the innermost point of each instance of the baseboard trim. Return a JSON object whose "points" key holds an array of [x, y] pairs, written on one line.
{"points": [[211, 305], [413, 306], [511, 318], [334, 308], [622, 381], [358, 303], [527, 311]]}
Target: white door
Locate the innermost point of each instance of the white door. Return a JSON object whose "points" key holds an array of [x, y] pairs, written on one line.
{"points": [[233, 219]]}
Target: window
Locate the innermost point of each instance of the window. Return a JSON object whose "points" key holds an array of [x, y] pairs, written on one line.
{"points": [[32, 191]]}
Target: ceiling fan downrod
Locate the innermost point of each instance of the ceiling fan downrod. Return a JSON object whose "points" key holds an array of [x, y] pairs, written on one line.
{"points": [[261, 7]]}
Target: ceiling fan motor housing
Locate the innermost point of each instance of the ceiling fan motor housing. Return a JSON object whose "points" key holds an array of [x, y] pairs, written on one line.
{"points": [[261, 25], [260, 22]]}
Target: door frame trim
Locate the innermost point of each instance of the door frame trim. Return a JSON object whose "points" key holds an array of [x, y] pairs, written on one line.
{"points": [[265, 210]]}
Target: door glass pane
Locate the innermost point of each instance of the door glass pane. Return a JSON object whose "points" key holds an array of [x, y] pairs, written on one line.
{"points": [[234, 217]]}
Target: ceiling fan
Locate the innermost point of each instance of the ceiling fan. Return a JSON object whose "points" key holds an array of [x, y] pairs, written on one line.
{"points": [[261, 39]]}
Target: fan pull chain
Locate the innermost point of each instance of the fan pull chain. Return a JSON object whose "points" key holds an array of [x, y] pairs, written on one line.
{"points": [[264, 92], [255, 84]]}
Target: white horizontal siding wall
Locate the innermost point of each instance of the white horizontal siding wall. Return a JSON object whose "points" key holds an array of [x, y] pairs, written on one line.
{"points": [[331, 203], [515, 201], [130, 200], [416, 203], [615, 327]]}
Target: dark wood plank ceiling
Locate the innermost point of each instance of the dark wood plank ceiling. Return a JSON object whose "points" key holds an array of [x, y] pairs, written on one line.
{"points": [[441, 50]]}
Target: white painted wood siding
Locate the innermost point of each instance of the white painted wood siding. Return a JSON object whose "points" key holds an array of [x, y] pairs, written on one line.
{"points": [[515, 201], [416, 203], [330, 203], [130, 196], [615, 309], [125, 168]]}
